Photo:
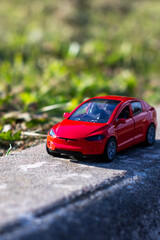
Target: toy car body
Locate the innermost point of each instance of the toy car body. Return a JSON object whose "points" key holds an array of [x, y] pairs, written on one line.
{"points": [[103, 126]]}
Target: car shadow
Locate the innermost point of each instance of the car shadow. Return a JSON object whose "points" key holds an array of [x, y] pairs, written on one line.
{"points": [[130, 158]]}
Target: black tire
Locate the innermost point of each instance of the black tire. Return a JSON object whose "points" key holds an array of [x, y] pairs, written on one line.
{"points": [[50, 152], [150, 135], [110, 150]]}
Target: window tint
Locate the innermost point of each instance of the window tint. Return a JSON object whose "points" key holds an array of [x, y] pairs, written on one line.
{"points": [[136, 107], [125, 113]]}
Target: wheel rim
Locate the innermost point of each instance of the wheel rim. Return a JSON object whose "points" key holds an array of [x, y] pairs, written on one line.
{"points": [[111, 151], [151, 134]]}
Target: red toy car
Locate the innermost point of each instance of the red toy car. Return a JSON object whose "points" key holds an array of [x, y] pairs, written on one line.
{"points": [[103, 125]]}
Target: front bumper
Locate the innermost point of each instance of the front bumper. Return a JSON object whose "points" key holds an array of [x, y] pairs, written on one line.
{"points": [[81, 146]]}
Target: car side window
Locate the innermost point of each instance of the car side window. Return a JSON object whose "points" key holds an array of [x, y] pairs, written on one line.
{"points": [[136, 107], [124, 113]]}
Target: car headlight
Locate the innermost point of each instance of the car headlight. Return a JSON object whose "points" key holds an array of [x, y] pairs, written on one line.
{"points": [[95, 137], [51, 133]]}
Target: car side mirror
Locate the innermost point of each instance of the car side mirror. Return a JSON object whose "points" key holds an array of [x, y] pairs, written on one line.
{"points": [[121, 121], [66, 114]]}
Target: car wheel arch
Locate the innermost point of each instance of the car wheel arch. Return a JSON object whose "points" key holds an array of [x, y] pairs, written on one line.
{"points": [[111, 136]]}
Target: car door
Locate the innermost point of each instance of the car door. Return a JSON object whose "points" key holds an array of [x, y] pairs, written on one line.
{"points": [[125, 128], [140, 118]]}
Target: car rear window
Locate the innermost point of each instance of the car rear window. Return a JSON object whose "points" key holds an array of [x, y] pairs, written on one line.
{"points": [[136, 107]]}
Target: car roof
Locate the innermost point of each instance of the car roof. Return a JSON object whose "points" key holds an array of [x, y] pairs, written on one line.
{"points": [[118, 98]]}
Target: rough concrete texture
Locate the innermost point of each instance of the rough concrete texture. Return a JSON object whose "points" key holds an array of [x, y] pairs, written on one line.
{"points": [[43, 197]]}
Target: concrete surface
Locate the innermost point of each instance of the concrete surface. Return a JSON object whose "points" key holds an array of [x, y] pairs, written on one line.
{"points": [[42, 197]]}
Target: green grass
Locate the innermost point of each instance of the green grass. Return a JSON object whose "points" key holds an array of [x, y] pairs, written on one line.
{"points": [[64, 51]]}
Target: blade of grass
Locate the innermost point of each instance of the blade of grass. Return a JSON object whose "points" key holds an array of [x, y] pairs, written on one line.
{"points": [[54, 106], [9, 149], [33, 134]]}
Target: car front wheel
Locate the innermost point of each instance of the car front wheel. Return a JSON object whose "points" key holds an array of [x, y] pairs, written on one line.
{"points": [[110, 150], [150, 136]]}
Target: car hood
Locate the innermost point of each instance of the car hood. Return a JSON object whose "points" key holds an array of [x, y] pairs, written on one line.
{"points": [[78, 129]]}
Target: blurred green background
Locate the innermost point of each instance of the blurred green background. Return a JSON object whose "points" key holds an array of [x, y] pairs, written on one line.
{"points": [[65, 51]]}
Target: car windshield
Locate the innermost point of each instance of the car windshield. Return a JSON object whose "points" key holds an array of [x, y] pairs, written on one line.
{"points": [[95, 110]]}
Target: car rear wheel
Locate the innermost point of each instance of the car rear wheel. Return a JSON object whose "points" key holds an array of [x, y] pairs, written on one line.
{"points": [[110, 150], [150, 136]]}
